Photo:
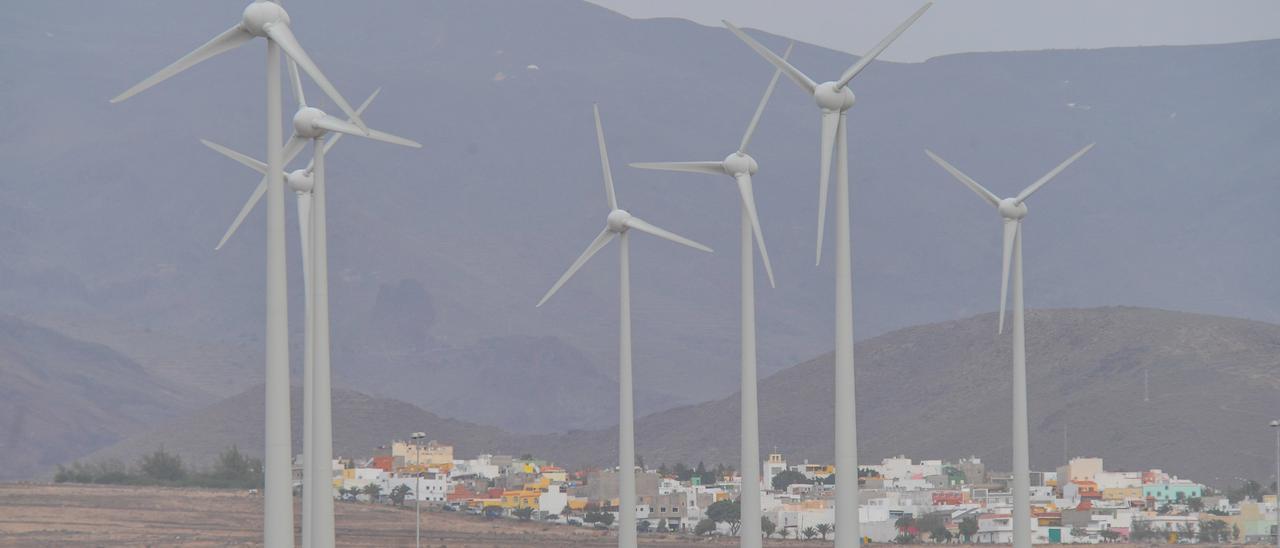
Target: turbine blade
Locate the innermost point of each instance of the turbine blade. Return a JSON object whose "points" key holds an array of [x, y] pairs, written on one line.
{"points": [[244, 212], [337, 125], [755, 118], [359, 110], [968, 181], [643, 226], [228, 40], [793, 73], [875, 52], [1026, 193], [690, 167], [291, 150], [296, 82], [1010, 230], [830, 122], [283, 36], [596, 245], [749, 203], [244, 159], [604, 160]]}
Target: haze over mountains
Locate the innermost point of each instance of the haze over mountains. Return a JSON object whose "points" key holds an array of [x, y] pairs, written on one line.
{"points": [[108, 213], [933, 391]]}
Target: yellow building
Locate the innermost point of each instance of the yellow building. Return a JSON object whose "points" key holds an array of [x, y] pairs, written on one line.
{"points": [[430, 455], [1122, 493], [524, 498]]}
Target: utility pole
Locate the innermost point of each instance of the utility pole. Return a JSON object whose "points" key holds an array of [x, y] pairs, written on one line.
{"points": [[1275, 424], [417, 485]]}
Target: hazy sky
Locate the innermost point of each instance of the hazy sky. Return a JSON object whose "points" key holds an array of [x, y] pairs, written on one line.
{"points": [[953, 26]]}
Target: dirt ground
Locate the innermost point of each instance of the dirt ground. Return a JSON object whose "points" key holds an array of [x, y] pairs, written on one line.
{"points": [[101, 515], [60, 515]]}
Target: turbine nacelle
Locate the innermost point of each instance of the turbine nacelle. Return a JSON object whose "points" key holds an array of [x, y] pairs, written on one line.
{"points": [[617, 221], [305, 122], [258, 16], [300, 181], [832, 96], [739, 163], [1012, 209]]}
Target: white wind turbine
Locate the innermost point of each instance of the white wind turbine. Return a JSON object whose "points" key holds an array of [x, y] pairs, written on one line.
{"points": [[268, 20], [834, 99], [309, 187], [741, 167], [617, 225], [1013, 210]]}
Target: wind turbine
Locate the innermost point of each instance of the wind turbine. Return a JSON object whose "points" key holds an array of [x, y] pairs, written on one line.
{"points": [[834, 99], [308, 185], [1013, 210], [618, 224], [741, 167], [265, 19]]}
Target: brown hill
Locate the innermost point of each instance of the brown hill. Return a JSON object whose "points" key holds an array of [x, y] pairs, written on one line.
{"points": [[934, 391], [943, 391], [361, 423], [61, 398]]}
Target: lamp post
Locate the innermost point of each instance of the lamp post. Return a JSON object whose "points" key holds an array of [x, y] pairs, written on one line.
{"points": [[417, 484], [1275, 424]]}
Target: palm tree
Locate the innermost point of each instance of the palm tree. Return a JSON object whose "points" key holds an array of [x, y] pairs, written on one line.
{"points": [[823, 529], [809, 533], [373, 490]]}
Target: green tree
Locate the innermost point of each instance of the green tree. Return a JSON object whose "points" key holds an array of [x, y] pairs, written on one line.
{"points": [[1195, 504], [784, 532], [399, 493], [373, 490], [1235, 532], [642, 526], [940, 534], [823, 529], [704, 527], [809, 533], [162, 466], [728, 512], [767, 526], [905, 523], [968, 527], [524, 513], [235, 469], [787, 477]]}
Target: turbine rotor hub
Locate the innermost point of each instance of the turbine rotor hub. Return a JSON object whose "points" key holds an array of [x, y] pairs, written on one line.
{"points": [[260, 15], [617, 220], [738, 163], [830, 98], [299, 181], [304, 122], [1011, 209]]}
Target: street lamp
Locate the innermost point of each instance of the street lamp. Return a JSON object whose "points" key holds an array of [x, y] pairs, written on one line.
{"points": [[417, 485], [1275, 424]]}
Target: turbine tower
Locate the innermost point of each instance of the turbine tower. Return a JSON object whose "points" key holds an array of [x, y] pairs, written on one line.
{"points": [[1013, 210], [618, 224], [308, 185], [266, 19], [741, 167], [834, 99]]}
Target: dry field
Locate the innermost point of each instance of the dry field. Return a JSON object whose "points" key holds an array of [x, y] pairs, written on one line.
{"points": [[46, 515], [100, 515]]}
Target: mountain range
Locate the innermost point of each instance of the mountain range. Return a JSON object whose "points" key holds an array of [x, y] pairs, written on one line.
{"points": [[108, 213], [932, 391]]}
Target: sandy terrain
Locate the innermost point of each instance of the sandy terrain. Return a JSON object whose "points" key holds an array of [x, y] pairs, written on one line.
{"points": [[99, 515], [47, 515]]}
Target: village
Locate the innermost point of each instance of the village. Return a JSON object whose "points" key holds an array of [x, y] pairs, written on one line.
{"points": [[902, 500]]}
